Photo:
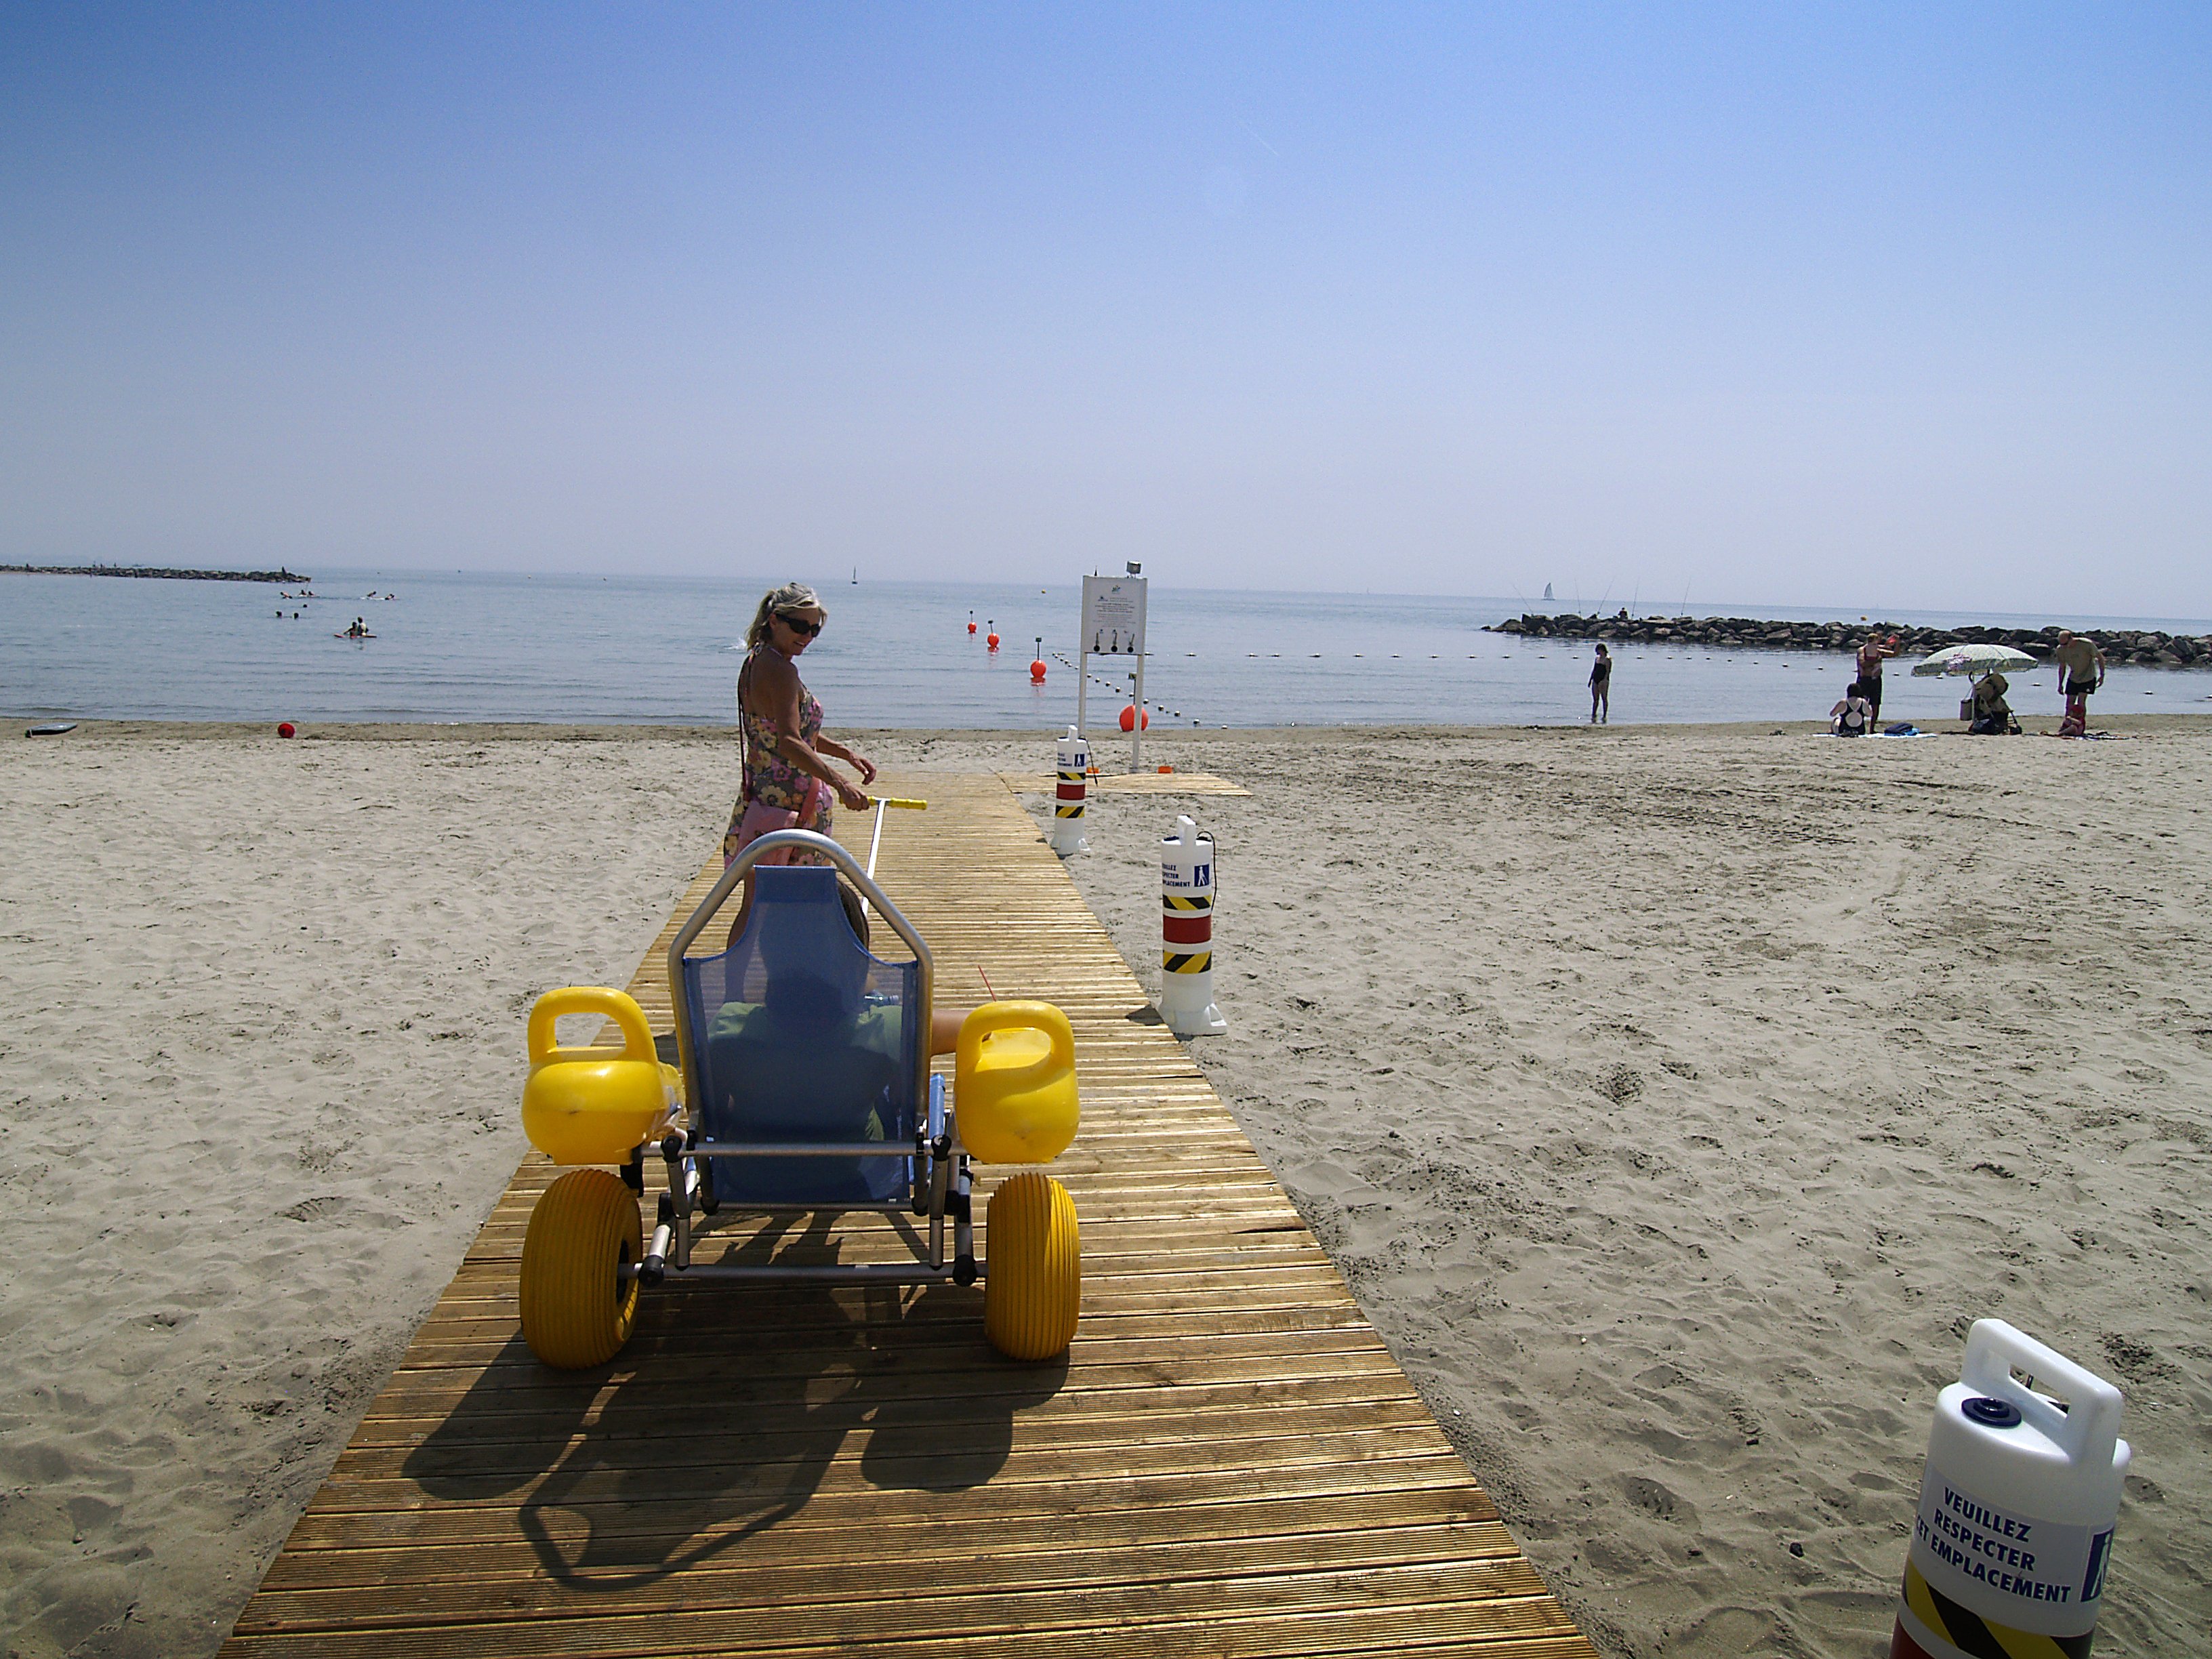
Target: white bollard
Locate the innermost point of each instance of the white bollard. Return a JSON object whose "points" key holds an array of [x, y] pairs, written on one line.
{"points": [[1186, 933], [1068, 797], [2014, 1533]]}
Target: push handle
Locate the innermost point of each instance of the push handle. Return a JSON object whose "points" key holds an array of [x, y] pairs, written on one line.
{"points": [[2086, 1430], [1016, 1016], [618, 1005], [893, 800]]}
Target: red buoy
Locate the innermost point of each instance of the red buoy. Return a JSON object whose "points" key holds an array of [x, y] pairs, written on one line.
{"points": [[286, 731], [990, 640], [1129, 720], [971, 628], [1036, 671]]}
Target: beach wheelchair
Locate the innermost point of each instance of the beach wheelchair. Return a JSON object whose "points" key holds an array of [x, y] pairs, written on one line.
{"points": [[804, 1087]]}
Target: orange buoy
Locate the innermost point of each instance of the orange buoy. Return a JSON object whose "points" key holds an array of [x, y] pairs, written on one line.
{"points": [[1129, 718], [1036, 663], [990, 640]]}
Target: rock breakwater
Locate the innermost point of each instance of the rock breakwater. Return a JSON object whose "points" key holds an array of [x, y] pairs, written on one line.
{"points": [[153, 573], [2147, 648]]}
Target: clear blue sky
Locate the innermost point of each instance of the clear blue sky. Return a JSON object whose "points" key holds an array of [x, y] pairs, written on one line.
{"points": [[1851, 305]]}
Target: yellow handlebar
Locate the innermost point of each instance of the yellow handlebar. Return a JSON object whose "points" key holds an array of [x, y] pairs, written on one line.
{"points": [[892, 800], [637, 1035]]}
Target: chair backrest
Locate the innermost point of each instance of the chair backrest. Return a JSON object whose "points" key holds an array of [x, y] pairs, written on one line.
{"points": [[801, 1034]]}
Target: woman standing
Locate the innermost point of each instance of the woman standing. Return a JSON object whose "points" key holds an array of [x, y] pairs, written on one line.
{"points": [[787, 783]]}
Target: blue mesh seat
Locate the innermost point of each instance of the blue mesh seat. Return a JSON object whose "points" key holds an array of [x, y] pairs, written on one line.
{"points": [[801, 1035]]}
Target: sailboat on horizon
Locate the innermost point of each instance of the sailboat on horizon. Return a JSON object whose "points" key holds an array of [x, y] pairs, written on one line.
{"points": [[1547, 594]]}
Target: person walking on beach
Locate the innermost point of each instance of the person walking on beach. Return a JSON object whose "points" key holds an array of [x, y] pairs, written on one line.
{"points": [[1601, 685], [787, 782], [2081, 671], [1872, 655]]}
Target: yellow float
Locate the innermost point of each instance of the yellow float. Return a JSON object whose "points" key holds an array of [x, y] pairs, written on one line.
{"points": [[593, 1105], [1014, 1079]]}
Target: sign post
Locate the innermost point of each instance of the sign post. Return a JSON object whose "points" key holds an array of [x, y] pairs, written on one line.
{"points": [[1114, 626]]}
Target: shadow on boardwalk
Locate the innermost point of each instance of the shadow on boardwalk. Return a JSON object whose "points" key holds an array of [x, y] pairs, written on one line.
{"points": [[724, 1415]]}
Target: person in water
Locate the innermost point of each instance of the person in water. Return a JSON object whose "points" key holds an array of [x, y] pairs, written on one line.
{"points": [[789, 782]]}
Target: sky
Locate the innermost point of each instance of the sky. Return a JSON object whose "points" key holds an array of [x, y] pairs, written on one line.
{"points": [[1865, 307]]}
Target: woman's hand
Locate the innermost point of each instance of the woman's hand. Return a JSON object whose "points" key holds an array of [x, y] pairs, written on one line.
{"points": [[855, 800], [863, 765]]}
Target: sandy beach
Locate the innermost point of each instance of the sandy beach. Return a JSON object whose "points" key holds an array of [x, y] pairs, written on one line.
{"points": [[1671, 1098]]}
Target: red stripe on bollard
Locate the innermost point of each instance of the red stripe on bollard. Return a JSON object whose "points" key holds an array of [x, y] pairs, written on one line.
{"points": [[1186, 930]]}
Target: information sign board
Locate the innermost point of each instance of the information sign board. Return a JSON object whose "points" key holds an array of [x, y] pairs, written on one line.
{"points": [[1114, 615]]}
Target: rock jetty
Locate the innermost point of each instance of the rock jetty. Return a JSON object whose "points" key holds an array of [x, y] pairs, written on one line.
{"points": [[2148, 648], [153, 573]]}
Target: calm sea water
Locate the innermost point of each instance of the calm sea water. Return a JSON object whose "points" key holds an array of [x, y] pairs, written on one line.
{"points": [[665, 650]]}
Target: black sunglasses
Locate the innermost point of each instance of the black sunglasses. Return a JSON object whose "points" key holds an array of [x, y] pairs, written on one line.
{"points": [[799, 625]]}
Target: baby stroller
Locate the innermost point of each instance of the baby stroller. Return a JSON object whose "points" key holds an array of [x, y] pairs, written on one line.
{"points": [[1992, 714], [804, 1087]]}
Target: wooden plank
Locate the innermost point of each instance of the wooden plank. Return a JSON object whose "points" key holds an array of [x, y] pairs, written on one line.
{"points": [[1227, 1462], [1130, 783]]}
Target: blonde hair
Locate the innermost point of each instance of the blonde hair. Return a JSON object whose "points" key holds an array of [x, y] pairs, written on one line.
{"points": [[792, 595]]}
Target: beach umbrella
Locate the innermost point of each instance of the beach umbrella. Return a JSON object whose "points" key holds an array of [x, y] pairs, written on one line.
{"points": [[1975, 660]]}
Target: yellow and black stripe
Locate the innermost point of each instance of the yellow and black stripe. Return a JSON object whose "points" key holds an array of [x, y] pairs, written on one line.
{"points": [[1188, 905], [1194, 961], [1968, 1631]]}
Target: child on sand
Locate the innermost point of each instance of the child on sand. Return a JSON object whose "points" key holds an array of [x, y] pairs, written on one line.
{"points": [[1853, 713]]}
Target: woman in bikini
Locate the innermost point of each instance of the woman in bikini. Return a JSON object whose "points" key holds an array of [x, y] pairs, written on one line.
{"points": [[787, 782]]}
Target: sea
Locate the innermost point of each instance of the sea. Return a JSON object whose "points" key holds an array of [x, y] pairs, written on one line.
{"points": [[455, 646]]}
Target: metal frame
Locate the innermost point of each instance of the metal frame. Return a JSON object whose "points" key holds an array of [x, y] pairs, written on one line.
{"points": [[941, 1177]]}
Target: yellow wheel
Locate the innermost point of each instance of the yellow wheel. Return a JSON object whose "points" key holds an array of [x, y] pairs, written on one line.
{"points": [[1032, 1268], [576, 1306]]}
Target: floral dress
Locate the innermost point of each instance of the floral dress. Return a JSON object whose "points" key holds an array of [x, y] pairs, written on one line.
{"points": [[777, 794]]}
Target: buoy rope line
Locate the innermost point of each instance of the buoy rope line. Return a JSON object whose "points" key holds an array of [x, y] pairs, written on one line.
{"points": [[1065, 661]]}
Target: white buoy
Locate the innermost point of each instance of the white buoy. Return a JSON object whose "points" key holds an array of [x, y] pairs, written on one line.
{"points": [[1186, 933], [1068, 795], [2014, 1533]]}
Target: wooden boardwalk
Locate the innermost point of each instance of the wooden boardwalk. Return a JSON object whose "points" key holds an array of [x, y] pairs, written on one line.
{"points": [[1227, 1462], [1128, 783]]}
